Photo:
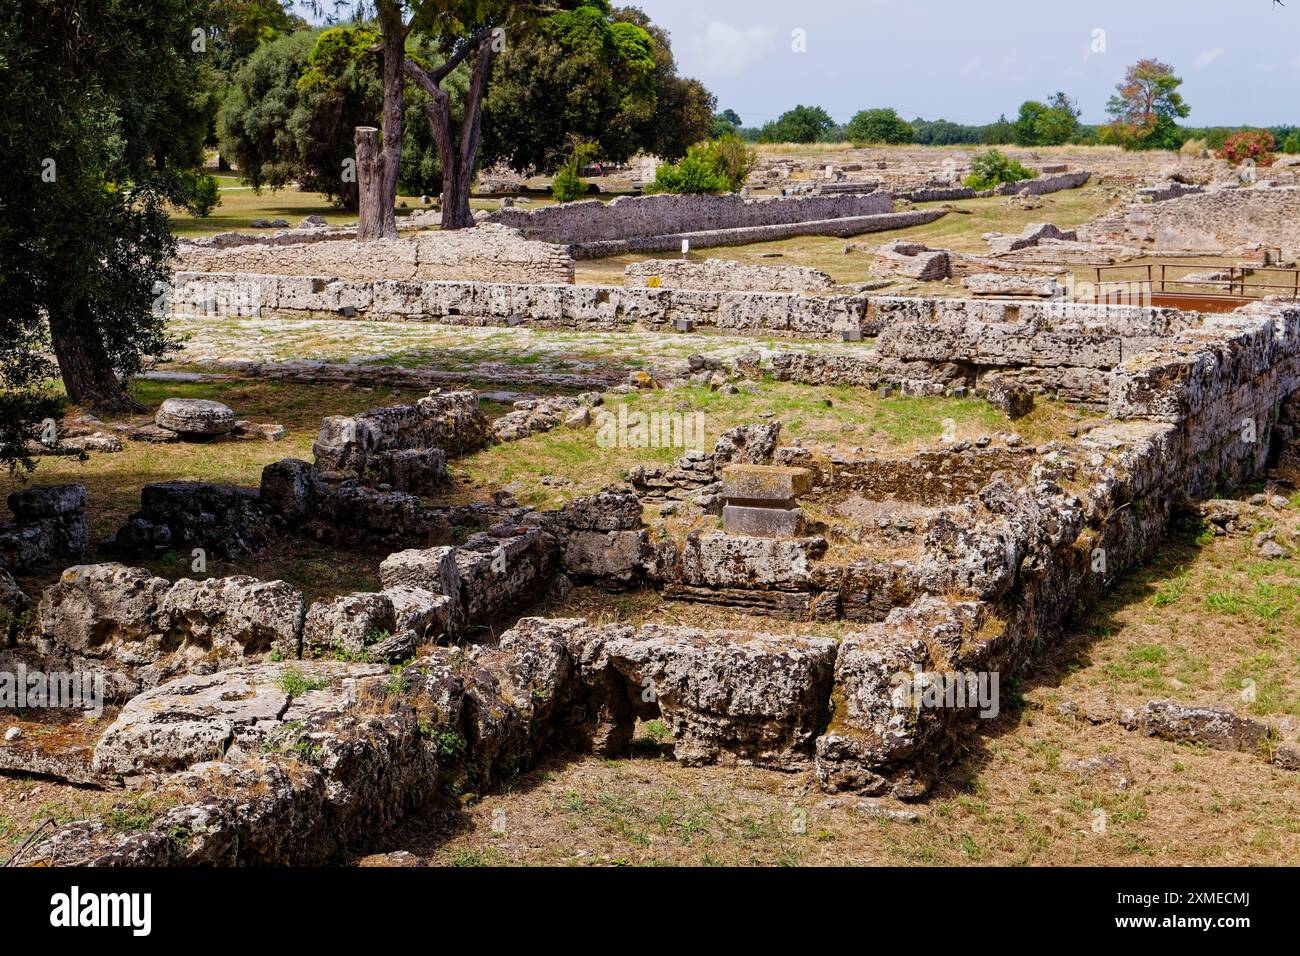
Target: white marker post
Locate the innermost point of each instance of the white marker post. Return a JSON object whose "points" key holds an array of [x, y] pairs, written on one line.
{"points": [[686, 247]]}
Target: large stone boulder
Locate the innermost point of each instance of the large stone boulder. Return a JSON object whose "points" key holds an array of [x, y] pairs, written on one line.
{"points": [[49, 525], [246, 710], [1215, 727], [225, 520], [141, 629], [726, 696], [197, 417]]}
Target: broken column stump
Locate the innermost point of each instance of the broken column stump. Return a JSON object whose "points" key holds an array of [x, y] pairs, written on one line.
{"points": [[759, 500]]}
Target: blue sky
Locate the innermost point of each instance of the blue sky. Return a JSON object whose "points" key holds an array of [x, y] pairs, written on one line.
{"points": [[969, 60]]}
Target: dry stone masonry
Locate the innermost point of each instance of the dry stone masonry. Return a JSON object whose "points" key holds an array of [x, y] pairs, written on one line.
{"points": [[269, 753]]}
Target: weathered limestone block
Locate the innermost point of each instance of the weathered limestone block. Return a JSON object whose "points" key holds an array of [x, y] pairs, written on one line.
{"points": [[424, 615], [1014, 401], [503, 571], [728, 696], [369, 514], [610, 510], [289, 489], [723, 275], [450, 421], [748, 444], [210, 717], [195, 417], [225, 620], [225, 520], [47, 501], [418, 471], [772, 483], [896, 694], [143, 629], [429, 569], [717, 559], [50, 525], [996, 283], [913, 260], [609, 557], [96, 608], [350, 623], [763, 522], [1215, 727]]}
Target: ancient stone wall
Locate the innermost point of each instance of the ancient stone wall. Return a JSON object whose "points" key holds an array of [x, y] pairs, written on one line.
{"points": [[723, 275], [545, 306], [488, 253], [845, 227], [49, 525], [1223, 220], [1036, 187], [994, 574], [633, 217]]}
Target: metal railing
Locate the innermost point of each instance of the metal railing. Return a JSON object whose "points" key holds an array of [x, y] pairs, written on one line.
{"points": [[1233, 283]]}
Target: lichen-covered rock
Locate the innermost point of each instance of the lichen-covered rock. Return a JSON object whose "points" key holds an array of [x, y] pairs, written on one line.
{"points": [[350, 623], [730, 696], [718, 559], [608, 557], [748, 444], [426, 616], [141, 629], [450, 421], [50, 525], [1014, 401], [1215, 727], [224, 620], [214, 716], [225, 520], [195, 417], [289, 488]]}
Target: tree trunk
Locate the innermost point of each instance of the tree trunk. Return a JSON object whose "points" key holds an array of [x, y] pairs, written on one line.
{"points": [[370, 187], [88, 375], [377, 177], [457, 158]]}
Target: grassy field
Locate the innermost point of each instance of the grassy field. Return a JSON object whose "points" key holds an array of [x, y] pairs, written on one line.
{"points": [[241, 204], [841, 415]]}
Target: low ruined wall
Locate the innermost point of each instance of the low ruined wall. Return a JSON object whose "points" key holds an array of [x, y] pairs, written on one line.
{"points": [[632, 217], [844, 227], [499, 303], [49, 525], [1224, 220], [1036, 187], [723, 275], [1062, 348], [488, 253]]}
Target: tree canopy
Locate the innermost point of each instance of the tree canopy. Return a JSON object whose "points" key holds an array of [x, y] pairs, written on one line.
{"points": [[103, 115]]}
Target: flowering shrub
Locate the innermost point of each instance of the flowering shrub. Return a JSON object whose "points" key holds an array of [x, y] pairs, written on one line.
{"points": [[1256, 144]]}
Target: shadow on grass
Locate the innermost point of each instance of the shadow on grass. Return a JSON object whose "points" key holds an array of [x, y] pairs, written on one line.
{"points": [[1070, 652]]}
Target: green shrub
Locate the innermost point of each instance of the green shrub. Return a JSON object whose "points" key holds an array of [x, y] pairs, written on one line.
{"points": [[1291, 145], [717, 166], [992, 169], [568, 185]]}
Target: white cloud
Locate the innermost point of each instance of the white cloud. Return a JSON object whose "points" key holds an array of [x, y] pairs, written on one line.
{"points": [[1208, 57], [723, 49]]}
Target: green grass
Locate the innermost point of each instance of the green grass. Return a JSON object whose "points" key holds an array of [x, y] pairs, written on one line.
{"points": [[854, 417]]}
